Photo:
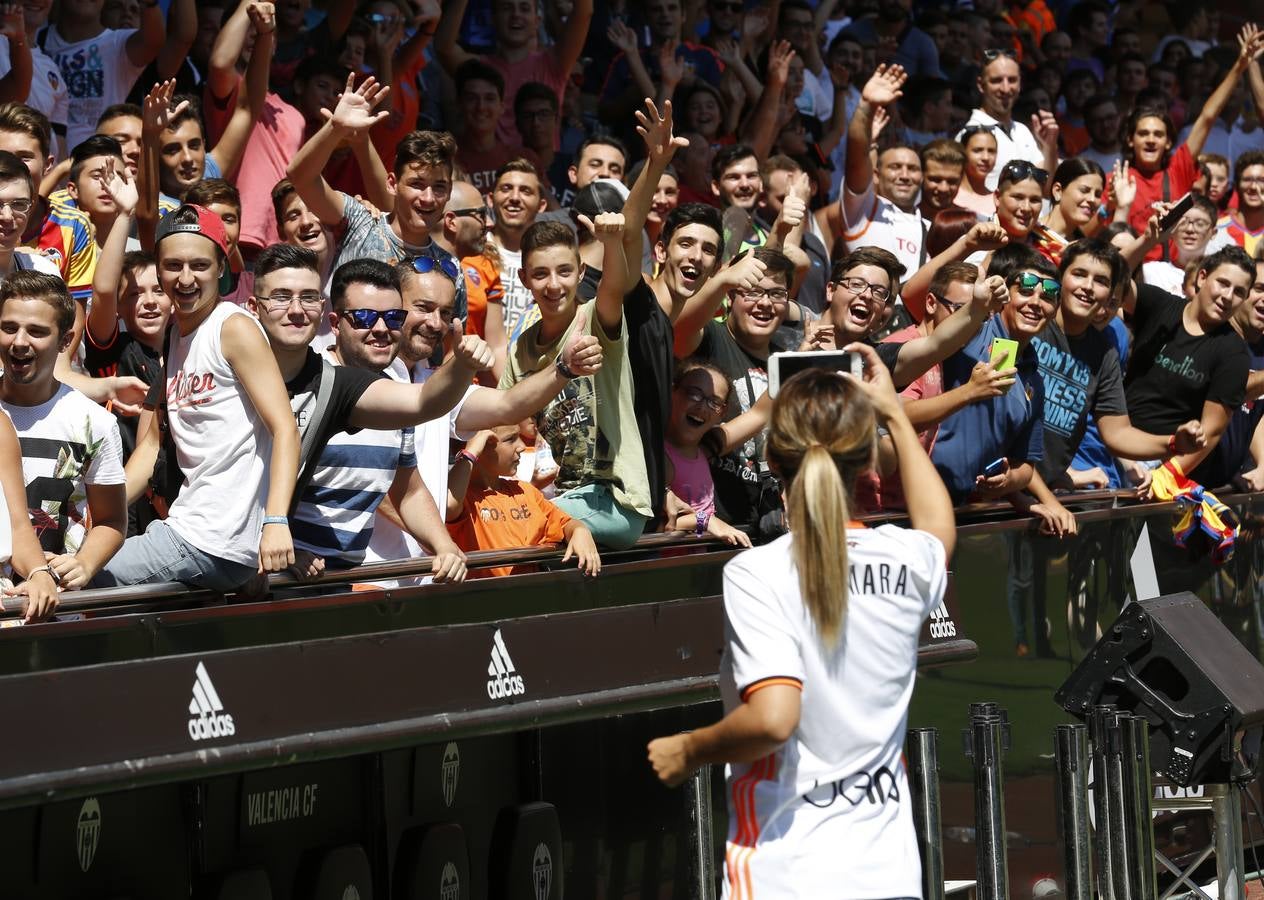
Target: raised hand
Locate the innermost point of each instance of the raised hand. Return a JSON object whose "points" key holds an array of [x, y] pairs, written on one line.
{"points": [[986, 236], [885, 85], [875, 381], [582, 354], [428, 14], [622, 37], [655, 129], [780, 56], [819, 335], [793, 211], [157, 112], [354, 112], [726, 48], [881, 119], [672, 67], [1044, 127], [116, 181], [754, 24], [1250, 42], [1123, 185], [12, 21], [262, 16], [990, 293], [606, 228], [745, 273], [469, 350]]}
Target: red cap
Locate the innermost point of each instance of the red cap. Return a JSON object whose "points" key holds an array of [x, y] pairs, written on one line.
{"points": [[209, 225]]}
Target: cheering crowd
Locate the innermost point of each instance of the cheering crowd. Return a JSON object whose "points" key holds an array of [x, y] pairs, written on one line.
{"points": [[295, 289]]}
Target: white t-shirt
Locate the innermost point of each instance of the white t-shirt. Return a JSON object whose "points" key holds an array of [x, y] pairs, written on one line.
{"points": [[829, 815], [1162, 274], [68, 442], [517, 298], [1015, 143], [48, 88], [873, 221], [222, 444], [98, 73], [430, 442]]}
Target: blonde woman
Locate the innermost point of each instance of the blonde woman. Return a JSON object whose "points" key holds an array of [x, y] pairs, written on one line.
{"points": [[820, 656]]}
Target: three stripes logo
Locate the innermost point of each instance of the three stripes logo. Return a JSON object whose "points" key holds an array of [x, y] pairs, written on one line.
{"points": [[502, 681], [941, 623], [206, 711]]}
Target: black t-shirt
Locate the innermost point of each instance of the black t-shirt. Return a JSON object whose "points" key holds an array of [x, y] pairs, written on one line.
{"points": [[1172, 373], [1081, 375], [737, 476], [650, 340], [1232, 452]]}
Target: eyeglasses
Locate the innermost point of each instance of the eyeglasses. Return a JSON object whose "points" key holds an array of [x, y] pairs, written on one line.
{"points": [[482, 213], [946, 304], [858, 286], [994, 53], [425, 264], [775, 296], [383, 19], [1027, 282], [18, 207], [364, 319], [1197, 223], [1017, 170], [715, 404], [282, 299]]}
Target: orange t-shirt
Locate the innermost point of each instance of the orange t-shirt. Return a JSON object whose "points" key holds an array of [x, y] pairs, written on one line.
{"points": [[482, 283], [513, 514]]}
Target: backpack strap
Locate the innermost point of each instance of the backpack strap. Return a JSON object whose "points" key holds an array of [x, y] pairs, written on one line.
{"points": [[320, 412]]}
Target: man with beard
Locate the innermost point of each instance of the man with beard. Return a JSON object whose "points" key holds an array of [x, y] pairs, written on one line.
{"points": [[463, 236], [421, 180], [1101, 119], [1246, 223], [1000, 82], [882, 212]]}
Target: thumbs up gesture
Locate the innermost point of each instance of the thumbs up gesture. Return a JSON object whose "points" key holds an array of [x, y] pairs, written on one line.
{"points": [[470, 350], [582, 353]]}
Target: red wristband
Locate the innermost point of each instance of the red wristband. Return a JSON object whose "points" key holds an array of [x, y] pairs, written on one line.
{"points": [[1171, 444], [467, 455]]}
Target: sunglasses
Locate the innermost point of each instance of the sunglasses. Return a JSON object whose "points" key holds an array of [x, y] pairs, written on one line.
{"points": [[996, 52], [1027, 282], [1020, 170], [478, 212], [364, 319], [971, 130], [425, 264]]}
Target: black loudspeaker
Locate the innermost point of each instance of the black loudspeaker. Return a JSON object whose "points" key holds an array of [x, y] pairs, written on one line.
{"points": [[1171, 660]]}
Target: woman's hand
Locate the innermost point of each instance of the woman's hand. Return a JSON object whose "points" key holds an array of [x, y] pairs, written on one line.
{"points": [[670, 758], [875, 382], [724, 531]]}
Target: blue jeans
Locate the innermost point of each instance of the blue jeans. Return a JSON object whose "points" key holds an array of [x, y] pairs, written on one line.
{"points": [[613, 526], [162, 555]]}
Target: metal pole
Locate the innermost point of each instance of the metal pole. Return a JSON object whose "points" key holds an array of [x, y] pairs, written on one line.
{"points": [[1071, 752], [702, 851], [1226, 810], [1139, 792], [1097, 732], [1116, 797], [923, 758], [985, 746]]}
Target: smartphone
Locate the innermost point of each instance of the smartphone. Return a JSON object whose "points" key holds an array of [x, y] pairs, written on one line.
{"points": [[1177, 212], [994, 468], [783, 366], [1005, 350]]}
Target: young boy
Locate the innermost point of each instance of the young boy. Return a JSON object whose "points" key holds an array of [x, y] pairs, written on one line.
{"points": [[488, 509], [590, 425]]}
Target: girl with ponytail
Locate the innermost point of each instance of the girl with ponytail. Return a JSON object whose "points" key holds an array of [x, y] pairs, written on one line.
{"points": [[821, 632]]}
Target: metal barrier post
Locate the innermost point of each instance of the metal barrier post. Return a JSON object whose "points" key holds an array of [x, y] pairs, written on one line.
{"points": [[1135, 732], [1226, 809], [986, 741], [702, 847], [1117, 833], [923, 759], [1104, 850], [1071, 753]]}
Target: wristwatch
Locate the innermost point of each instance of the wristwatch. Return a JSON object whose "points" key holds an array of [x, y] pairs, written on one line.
{"points": [[563, 370]]}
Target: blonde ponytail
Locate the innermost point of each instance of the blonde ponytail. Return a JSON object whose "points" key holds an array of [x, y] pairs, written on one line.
{"points": [[821, 439], [817, 511]]}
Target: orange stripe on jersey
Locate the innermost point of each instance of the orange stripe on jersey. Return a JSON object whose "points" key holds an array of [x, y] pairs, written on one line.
{"points": [[754, 686], [742, 848]]}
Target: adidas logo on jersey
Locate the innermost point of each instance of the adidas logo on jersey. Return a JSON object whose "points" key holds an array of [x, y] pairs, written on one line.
{"points": [[207, 711], [503, 680], [941, 623]]}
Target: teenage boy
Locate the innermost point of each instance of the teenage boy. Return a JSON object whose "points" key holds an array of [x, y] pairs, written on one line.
{"points": [[517, 199], [591, 425], [235, 439], [1080, 368], [71, 454], [182, 154], [17, 203], [420, 180], [1187, 361], [480, 91]]}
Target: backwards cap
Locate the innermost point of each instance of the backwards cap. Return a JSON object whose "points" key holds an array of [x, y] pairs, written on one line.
{"points": [[208, 225]]}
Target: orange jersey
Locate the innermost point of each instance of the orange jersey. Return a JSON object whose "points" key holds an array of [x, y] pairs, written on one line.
{"points": [[482, 284], [512, 514]]}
